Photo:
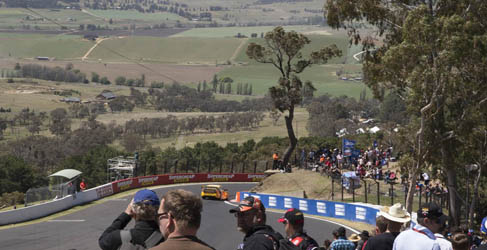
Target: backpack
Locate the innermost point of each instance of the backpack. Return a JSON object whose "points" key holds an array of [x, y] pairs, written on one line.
{"points": [[275, 237], [127, 244]]}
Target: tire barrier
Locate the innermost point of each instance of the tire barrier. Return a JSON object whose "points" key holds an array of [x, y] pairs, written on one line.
{"points": [[350, 212], [57, 205]]}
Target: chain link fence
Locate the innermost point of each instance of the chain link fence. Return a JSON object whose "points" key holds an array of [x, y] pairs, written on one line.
{"points": [[44, 194]]}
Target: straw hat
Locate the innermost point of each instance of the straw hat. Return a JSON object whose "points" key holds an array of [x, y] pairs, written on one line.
{"points": [[354, 238], [396, 213]]}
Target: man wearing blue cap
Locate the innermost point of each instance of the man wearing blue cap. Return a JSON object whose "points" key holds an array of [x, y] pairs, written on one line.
{"points": [[145, 234]]}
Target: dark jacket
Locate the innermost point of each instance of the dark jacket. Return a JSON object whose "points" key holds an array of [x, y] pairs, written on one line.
{"points": [[110, 239], [262, 237], [384, 241], [303, 241]]}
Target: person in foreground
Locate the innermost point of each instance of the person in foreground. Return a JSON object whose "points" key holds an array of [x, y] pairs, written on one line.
{"points": [[293, 221], [143, 209], [251, 219], [179, 218], [395, 216], [422, 236]]}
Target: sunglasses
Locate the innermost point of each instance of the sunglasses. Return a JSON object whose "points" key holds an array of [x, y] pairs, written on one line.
{"points": [[161, 216]]}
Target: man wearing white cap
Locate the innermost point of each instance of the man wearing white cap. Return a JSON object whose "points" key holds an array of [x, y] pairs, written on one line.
{"points": [[396, 216]]}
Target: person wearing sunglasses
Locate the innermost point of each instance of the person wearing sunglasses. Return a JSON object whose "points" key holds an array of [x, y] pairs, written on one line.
{"points": [[145, 234], [293, 221], [251, 220], [179, 218]]}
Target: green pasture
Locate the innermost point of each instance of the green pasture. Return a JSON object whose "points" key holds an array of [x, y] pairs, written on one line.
{"points": [[158, 17], [246, 31], [323, 77], [168, 50], [16, 17], [62, 47]]}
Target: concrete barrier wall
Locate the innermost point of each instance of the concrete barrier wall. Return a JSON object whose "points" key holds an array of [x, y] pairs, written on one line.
{"points": [[351, 212], [54, 206]]}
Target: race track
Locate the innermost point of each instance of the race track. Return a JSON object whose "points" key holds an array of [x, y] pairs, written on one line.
{"points": [[80, 230]]}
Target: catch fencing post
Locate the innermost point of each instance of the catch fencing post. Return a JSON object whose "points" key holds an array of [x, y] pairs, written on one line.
{"points": [[187, 165], [199, 162], [165, 167], [378, 192], [231, 167], [221, 165], [209, 166], [365, 189], [176, 166], [255, 167], [342, 187], [332, 188]]}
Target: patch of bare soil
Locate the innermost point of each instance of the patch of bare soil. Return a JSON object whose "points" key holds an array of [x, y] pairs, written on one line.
{"points": [[156, 72], [312, 183]]}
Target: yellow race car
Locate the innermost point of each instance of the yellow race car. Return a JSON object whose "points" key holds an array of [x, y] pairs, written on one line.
{"points": [[214, 192]]}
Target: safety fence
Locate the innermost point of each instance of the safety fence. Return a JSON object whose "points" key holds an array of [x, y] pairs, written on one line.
{"points": [[78, 198], [351, 212], [381, 192]]}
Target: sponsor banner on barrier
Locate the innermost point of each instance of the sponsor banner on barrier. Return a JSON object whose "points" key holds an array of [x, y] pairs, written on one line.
{"points": [[341, 210], [220, 177], [146, 181], [104, 191], [177, 178]]}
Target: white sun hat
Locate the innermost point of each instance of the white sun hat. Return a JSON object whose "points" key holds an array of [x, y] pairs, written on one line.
{"points": [[396, 213]]}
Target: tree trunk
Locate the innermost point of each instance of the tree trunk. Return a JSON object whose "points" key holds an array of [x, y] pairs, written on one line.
{"points": [[293, 141], [413, 175], [454, 211], [474, 198]]}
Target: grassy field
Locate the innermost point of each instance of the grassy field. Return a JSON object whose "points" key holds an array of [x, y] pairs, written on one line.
{"points": [[134, 15], [63, 47], [247, 31], [182, 50]]}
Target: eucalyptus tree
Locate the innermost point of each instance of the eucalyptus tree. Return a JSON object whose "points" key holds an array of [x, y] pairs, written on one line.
{"points": [[434, 53], [283, 50]]}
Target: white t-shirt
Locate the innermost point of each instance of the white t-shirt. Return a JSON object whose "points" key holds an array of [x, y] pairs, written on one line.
{"points": [[426, 177], [444, 243]]}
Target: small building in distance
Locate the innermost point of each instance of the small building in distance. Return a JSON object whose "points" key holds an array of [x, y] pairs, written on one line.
{"points": [[42, 58], [106, 95]]}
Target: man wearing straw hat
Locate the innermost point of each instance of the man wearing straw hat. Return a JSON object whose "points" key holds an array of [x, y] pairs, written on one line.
{"points": [[395, 216]]}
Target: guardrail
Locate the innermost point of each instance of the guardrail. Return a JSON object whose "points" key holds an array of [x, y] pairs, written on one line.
{"points": [[351, 212], [54, 206]]}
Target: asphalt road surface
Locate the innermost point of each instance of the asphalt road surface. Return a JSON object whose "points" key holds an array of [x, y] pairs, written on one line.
{"points": [[80, 230]]}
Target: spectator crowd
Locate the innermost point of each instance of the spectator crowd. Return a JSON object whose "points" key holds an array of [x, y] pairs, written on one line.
{"points": [[172, 222]]}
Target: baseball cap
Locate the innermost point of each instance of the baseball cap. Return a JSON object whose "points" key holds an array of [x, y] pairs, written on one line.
{"points": [[146, 196], [431, 210], [483, 227], [247, 204], [293, 216]]}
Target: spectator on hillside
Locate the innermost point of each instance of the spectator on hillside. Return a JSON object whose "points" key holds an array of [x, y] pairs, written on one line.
{"points": [[82, 185], [293, 221], [275, 160], [430, 221], [143, 209], [426, 178], [179, 218], [395, 217], [251, 220], [340, 241]]}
